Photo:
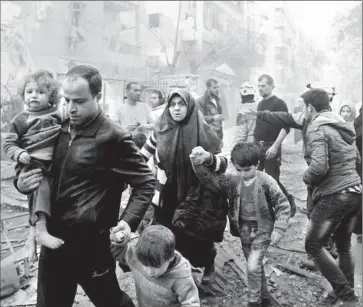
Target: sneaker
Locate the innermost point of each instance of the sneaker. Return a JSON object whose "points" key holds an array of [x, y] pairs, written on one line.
{"points": [[209, 274], [330, 299]]}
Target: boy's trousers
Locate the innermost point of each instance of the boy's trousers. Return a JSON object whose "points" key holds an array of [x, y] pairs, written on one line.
{"points": [[254, 249]]}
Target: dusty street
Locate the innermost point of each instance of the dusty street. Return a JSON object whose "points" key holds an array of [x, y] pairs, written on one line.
{"points": [[289, 288]]}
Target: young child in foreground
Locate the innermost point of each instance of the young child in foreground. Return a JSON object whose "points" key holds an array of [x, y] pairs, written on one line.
{"points": [[30, 142], [259, 211], [163, 277]]}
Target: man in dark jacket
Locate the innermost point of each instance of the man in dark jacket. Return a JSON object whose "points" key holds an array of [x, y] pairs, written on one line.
{"points": [[269, 136], [210, 106], [93, 160], [337, 192], [358, 131]]}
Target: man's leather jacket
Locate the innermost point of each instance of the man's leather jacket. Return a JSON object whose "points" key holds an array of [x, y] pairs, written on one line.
{"points": [[90, 172]]}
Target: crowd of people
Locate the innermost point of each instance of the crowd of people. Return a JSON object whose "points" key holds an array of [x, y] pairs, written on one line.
{"points": [[75, 162]]}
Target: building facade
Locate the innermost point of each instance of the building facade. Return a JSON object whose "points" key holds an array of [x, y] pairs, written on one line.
{"points": [[105, 34]]}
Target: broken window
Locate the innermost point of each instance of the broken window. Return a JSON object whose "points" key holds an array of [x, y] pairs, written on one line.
{"points": [[77, 14], [113, 43], [154, 20], [280, 53]]}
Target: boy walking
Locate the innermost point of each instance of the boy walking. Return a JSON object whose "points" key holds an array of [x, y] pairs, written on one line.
{"points": [[163, 277], [259, 211]]}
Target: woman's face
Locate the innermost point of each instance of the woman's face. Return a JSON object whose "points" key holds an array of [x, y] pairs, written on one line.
{"points": [[346, 113], [178, 108], [154, 100]]}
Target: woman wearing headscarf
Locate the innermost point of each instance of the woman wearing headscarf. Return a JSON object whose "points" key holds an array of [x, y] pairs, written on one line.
{"points": [[348, 111], [196, 215]]}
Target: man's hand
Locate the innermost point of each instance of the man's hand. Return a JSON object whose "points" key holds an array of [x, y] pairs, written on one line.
{"points": [[275, 238], [29, 180], [199, 155], [272, 152], [125, 228], [249, 113], [24, 158], [218, 118]]}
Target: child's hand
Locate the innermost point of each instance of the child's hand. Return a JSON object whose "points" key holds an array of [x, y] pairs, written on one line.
{"points": [[24, 158], [275, 238], [123, 227]]}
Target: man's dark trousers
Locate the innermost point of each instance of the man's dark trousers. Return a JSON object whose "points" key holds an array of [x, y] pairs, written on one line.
{"points": [[80, 262]]}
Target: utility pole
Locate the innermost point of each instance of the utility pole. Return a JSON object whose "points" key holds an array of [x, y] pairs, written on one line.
{"points": [[175, 56]]}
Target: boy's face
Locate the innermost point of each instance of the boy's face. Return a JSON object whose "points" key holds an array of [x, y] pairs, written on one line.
{"points": [[36, 96], [246, 172], [157, 272]]}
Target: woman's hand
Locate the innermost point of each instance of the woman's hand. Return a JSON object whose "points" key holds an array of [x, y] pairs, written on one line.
{"points": [[29, 180], [199, 155]]}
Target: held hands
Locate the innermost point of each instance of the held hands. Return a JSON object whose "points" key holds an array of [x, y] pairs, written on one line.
{"points": [[271, 152], [24, 158], [123, 227], [199, 155], [275, 238]]}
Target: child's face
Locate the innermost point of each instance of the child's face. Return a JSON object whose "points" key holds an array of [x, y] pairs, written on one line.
{"points": [[346, 113], [157, 272], [36, 96], [246, 172]]}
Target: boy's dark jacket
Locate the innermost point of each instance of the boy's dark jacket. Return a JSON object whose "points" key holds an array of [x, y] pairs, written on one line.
{"points": [[272, 206]]}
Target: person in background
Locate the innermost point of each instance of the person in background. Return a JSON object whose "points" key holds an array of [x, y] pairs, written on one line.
{"points": [[140, 140], [190, 86], [358, 131], [245, 127], [157, 103], [134, 115], [269, 136], [258, 214], [336, 194], [348, 111], [210, 106], [162, 276]]}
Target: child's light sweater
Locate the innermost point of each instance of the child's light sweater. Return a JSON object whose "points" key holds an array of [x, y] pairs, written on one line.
{"points": [[35, 133], [175, 288]]}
